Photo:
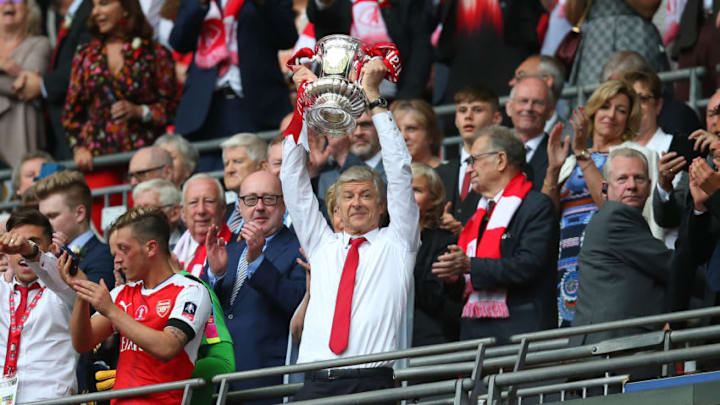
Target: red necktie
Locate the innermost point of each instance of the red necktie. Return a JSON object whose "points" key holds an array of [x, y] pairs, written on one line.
{"points": [[20, 311], [465, 187], [343, 304], [61, 34]]}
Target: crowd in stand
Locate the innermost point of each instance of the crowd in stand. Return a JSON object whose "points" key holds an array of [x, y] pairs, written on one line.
{"points": [[548, 215]]}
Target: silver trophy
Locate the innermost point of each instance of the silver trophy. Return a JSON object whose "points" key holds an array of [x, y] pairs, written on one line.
{"points": [[334, 101]]}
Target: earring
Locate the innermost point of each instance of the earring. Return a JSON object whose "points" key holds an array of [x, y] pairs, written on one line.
{"points": [[124, 19]]}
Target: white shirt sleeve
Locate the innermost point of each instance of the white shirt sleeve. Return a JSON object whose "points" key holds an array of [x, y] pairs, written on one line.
{"points": [[664, 195], [401, 205], [47, 271], [193, 307], [310, 226]]}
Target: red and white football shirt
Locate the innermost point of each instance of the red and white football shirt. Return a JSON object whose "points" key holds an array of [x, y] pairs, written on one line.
{"points": [[179, 302]]}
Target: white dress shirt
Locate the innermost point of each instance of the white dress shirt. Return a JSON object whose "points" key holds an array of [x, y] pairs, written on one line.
{"points": [[374, 161], [47, 360], [385, 269], [531, 146]]}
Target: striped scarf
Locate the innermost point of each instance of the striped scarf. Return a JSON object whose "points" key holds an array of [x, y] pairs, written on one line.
{"points": [[490, 303]]}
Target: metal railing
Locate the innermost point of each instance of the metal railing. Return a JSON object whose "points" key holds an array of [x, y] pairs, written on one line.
{"points": [[530, 363]]}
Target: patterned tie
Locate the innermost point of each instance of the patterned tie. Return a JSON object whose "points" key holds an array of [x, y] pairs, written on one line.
{"points": [[240, 277], [465, 187], [343, 304], [235, 222]]}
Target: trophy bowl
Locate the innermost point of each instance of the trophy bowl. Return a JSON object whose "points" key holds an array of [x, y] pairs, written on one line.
{"points": [[334, 101]]}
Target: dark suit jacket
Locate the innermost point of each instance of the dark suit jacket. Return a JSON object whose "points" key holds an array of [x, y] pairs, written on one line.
{"points": [[678, 118], [56, 82], [262, 32], [624, 272], [527, 269], [538, 164], [407, 28], [461, 210], [690, 23], [96, 262], [260, 317], [438, 304]]}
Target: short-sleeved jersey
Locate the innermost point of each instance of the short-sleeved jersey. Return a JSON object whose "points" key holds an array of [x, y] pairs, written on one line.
{"points": [[179, 302]]}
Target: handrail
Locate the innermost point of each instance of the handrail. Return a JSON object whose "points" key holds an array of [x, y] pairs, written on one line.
{"points": [[692, 73], [354, 360], [620, 324], [187, 385], [490, 352]]}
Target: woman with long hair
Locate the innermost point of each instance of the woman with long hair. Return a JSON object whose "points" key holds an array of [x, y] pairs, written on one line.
{"points": [[418, 123]]}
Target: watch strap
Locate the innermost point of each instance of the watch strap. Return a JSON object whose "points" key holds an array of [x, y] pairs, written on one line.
{"points": [[379, 102]]}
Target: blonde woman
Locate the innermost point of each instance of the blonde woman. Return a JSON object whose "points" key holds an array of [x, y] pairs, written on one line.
{"points": [[21, 122], [610, 117], [438, 303], [418, 123]]}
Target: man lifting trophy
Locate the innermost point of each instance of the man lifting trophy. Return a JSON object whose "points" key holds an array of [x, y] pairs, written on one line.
{"points": [[335, 100]]}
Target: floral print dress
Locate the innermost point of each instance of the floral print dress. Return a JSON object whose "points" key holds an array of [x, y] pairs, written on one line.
{"points": [[147, 77]]}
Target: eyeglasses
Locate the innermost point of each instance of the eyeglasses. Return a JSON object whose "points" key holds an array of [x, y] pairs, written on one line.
{"points": [[268, 199], [474, 158], [140, 174]]}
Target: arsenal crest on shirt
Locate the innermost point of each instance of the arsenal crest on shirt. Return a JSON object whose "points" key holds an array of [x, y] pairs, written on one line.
{"points": [[163, 308]]}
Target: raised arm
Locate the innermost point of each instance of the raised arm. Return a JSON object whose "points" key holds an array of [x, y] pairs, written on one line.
{"points": [[402, 208]]}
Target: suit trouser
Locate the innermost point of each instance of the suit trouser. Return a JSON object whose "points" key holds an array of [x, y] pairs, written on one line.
{"points": [[327, 383]]}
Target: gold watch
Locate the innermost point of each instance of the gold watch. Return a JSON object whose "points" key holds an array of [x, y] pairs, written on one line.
{"points": [[584, 155]]}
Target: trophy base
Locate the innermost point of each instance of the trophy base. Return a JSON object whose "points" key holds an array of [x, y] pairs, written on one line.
{"points": [[335, 104]]}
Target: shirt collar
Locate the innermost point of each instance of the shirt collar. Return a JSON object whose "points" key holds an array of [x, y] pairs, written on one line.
{"points": [[484, 201], [464, 155], [373, 161], [370, 236], [82, 239], [37, 281], [74, 7], [534, 142]]}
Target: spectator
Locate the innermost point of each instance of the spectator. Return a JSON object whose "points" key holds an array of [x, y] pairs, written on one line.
{"points": [[27, 170], [476, 108], [696, 45], [244, 91], [704, 138], [65, 200], [400, 21], [552, 72], [122, 91], [419, 125], [512, 283], [504, 32], [53, 85], [203, 207], [383, 258], [23, 49], [365, 145], [44, 357], [437, 304], [530, 106], [184, 156], [327, 166], [274, 156], [242, 155], [150, 162], [624, 271], [574, 182], [162, 194], [160, 316], [614, 25], [675, 117], [258, 280]]}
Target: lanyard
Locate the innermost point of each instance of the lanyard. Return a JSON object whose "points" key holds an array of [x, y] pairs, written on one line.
{"points": [[16, 327]]}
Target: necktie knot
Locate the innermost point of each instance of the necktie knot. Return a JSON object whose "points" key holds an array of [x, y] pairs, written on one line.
{"points": [[357, 242], [24, 290]]}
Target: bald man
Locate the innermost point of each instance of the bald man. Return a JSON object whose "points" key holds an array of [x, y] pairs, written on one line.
{"points": [[258, 281], [150, 162]]}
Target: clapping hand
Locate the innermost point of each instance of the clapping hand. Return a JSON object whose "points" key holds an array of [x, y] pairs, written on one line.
{"points": [[453, 263], [448, 221], [557, 149], [580, 124], [217, 256], [702, 139], [254, 236], [705, 177]]}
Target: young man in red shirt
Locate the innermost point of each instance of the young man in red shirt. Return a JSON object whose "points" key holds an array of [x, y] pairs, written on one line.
{"points": [[160, 315]]}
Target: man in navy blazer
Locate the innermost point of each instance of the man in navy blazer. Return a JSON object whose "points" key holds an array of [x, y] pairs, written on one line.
{"points": [[214, 106], [257, 279]]}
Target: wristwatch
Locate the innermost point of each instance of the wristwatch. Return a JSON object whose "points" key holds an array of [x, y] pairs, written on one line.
{"points": [[32, 256], [584, 155], [379, 102]]}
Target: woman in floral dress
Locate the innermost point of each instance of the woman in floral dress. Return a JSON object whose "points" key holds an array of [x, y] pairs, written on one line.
{"points": [[122, 92]]}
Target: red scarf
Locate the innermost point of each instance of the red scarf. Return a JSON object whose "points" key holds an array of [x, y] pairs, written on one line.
{"points": [[490, 303], [217, 45]]}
